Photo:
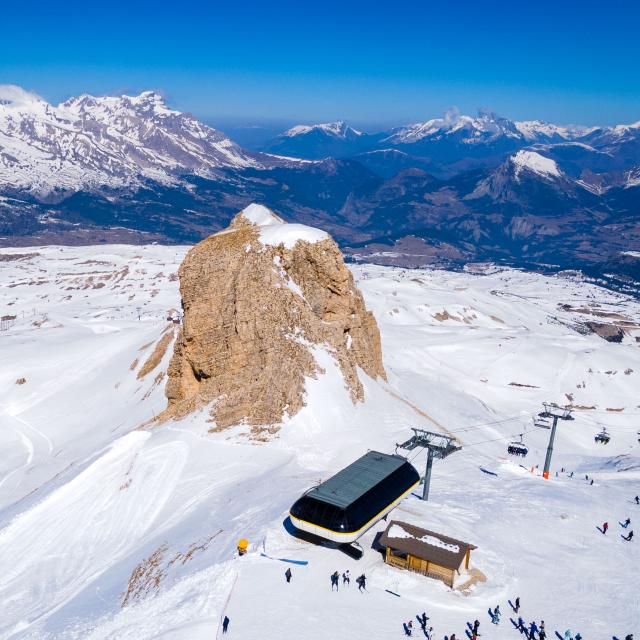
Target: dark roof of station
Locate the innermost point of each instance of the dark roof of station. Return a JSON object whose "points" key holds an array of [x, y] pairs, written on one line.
{"points": [[346, 486]]}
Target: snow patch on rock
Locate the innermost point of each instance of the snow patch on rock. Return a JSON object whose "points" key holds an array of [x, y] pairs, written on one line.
{"points": [[274, 231]]}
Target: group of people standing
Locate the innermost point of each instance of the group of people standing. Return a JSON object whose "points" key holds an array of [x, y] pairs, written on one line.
{"points": [[361, 580]]}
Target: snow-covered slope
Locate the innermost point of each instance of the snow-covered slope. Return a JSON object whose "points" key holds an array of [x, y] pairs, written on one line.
{"points": [[90, 143], [111, 527], [535, 163]]}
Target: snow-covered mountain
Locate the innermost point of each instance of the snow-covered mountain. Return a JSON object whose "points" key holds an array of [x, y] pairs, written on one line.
{"points": [[113, 526], [93, 143], [337, 129], [335, 139], [486, 127], [529, 178]]}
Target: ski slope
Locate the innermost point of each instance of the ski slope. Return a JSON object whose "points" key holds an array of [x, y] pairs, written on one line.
{"points": [[114, 527]]}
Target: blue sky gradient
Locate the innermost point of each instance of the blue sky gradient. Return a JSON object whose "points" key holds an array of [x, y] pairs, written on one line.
{"points": [[563, 61]]}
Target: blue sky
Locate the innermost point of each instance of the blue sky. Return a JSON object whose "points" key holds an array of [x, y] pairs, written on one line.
{"points": [[565, 61]]}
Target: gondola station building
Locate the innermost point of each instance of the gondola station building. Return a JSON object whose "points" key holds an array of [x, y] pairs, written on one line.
{"points": [[426, 552]]}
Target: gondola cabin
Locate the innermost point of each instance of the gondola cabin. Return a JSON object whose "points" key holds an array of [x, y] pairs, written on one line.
{"points": [[426, 552], [343, 507]]}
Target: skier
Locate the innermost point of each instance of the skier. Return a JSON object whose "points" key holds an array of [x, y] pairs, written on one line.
{"points": [[568, 635], [517, 607], [362, 581], [571, 475], [533, 628], [578, 636], [605, 527], [429, 634], [225, 624], [496, 615], [287, 575], [423, 619], [630, 636], [334, 580], [346, 578], [626, 523], [591, 483], [476, 626], [407, 628], [637, 499], [628, 538], [520, 626]]}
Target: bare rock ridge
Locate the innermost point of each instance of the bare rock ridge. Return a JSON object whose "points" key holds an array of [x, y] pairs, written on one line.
{"points": [[259, 298]]}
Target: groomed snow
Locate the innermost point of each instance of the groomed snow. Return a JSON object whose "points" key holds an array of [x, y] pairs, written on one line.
{"points": [[535, 162], [275, 231]]}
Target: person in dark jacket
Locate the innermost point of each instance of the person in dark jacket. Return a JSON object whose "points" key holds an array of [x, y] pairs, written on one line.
{"points": [[346, 578], [335, 580], [225, 624], [517, 607], [628, 538], [287, 575], [626, 523], [362, 582], [533, 628], [637, 499]]}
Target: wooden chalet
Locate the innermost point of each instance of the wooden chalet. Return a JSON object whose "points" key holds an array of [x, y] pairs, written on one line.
{"points": [[426, 552]]}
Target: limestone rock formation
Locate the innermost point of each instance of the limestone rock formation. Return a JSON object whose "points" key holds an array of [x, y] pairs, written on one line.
{"points": [[258, 298]]}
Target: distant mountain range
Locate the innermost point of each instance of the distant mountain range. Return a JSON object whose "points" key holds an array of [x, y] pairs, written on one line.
{"points": [[449, 191]]}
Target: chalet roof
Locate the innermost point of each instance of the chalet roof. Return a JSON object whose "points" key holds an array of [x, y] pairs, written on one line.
{"points": [[346, 486], [427, 545]]}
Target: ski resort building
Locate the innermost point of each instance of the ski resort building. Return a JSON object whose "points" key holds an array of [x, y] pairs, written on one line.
{"points": [[425, 552], [343, 507]]}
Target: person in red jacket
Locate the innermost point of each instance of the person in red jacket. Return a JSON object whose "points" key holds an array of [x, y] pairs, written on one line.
{"points": [[605, 526]]}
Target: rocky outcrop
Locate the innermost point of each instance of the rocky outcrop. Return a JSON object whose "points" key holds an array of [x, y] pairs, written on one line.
{"points": [[259, 298]]}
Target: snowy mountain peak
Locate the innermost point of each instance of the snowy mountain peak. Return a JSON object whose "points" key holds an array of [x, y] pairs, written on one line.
{"points": [[89, 142], [536, 130], [337, 129], [486, 126], [534, 162]]}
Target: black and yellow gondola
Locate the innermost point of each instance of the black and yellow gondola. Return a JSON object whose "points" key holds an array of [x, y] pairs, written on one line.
{"points": [[346, 505]]}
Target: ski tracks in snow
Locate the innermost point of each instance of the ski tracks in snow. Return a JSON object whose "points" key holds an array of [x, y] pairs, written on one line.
{"points": [[78, 531], [37, 444]]}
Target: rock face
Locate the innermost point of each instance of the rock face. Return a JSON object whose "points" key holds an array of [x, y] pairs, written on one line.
{"points": [[258, 298]]}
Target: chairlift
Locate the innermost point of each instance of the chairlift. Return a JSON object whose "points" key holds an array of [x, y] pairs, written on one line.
{"points": [[542, 421], [516, 448], [602, 437]]}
